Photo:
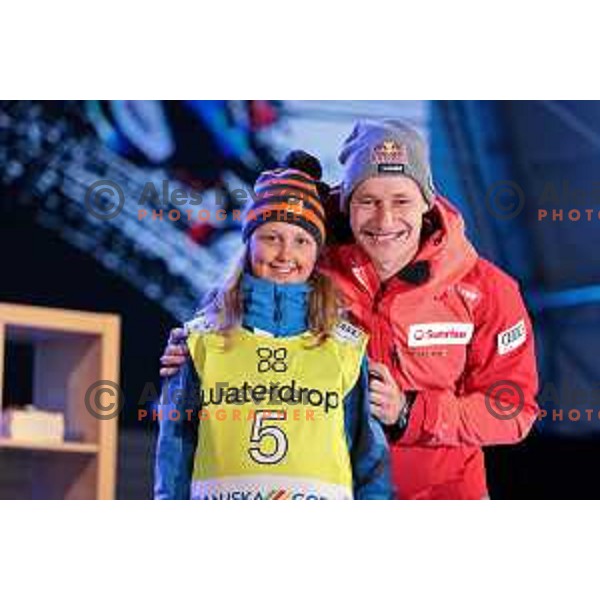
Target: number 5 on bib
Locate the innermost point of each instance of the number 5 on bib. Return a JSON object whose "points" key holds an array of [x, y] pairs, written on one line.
{"points": [[260, 431]]}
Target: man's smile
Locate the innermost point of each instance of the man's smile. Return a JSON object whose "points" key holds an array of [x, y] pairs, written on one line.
{"points": [[381, 236]]}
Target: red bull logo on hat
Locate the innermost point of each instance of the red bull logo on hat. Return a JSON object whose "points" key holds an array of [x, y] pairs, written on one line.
{"points": [[390, 152]]}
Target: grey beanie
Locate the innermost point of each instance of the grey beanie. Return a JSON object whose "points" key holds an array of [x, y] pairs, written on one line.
{"points": [[384, 148]]}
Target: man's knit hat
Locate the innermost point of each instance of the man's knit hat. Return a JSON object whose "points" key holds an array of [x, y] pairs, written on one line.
{"points": [[289, 194], [384, 148]]}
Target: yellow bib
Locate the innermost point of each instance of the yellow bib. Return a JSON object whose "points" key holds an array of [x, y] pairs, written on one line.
{"points": [[272, 422]]}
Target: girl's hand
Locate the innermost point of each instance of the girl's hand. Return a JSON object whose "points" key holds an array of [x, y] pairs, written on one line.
{"points": [[386, 398], [175, 353]]}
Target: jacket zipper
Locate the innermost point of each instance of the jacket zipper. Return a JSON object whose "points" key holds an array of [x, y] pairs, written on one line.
{"points": [[391, 349], [278, 312]]}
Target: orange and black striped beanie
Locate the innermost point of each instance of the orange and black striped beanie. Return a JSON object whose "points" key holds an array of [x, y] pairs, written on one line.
{"points": [[287, 195]]}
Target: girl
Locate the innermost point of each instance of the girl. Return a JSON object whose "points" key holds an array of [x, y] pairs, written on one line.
{"points": [[272, 402]]}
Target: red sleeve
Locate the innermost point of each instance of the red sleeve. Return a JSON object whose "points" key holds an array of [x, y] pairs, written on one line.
{"points": [[494, 403]]}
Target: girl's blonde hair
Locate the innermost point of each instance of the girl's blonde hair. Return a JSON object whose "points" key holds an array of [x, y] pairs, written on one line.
{"points": [[226, 305]]}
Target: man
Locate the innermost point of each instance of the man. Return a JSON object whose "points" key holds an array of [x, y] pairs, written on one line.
{"points": [[451, 345]]}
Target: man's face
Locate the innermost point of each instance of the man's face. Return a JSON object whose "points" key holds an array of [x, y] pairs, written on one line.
{"points": [[283, 253], [386, 216]]}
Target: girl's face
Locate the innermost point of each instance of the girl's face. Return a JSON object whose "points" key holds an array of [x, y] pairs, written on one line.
{"points": [[283, 253]]}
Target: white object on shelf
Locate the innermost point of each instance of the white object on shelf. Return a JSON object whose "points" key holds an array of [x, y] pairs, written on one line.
{"points": [[31, 424]]}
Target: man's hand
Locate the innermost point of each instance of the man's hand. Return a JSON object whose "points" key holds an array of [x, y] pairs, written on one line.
{"points": [[386, 398], [175, 353]]}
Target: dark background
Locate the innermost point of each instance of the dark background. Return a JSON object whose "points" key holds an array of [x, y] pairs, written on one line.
{"points": [[474, 145]]}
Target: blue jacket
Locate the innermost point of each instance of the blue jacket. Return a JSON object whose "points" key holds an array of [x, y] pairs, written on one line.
{"points": [[281, 310]]}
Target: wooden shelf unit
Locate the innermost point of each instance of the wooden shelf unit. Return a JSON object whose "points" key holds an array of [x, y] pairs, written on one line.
{"points": [[71, 351]]}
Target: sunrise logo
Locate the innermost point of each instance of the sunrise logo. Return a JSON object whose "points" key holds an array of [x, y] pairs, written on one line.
{"points": [[430, 334]]}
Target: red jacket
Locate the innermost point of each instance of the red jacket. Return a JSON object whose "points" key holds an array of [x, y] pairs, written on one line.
{"points": [[450, 326]]}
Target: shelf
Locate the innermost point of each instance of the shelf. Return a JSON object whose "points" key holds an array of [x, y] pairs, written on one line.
{"points": [[73, 447], [71, 352]]}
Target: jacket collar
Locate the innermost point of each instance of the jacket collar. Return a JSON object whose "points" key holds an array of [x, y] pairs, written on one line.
{"points": [[417, 272], [277, 308]]}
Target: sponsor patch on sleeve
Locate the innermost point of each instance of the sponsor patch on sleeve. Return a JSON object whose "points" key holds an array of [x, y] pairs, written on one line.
{"points": [[510, 339], [347, 332], [199, 324]]}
